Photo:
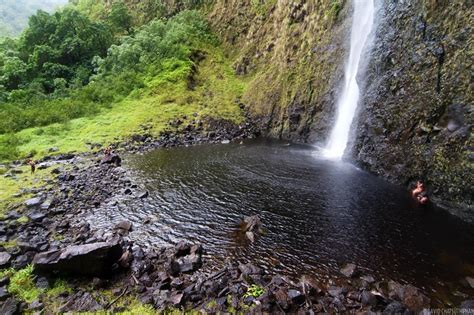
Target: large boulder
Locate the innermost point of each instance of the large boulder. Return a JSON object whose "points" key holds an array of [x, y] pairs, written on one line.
{"points": [[88, 260], [409, 295], [187, 258], [414, 299], [33, 202], [251, 226], [349, 270], [111, 159]]}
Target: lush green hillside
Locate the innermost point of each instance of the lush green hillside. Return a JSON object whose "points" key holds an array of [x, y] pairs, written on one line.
{"points": [[14, 14], [96, 73]]}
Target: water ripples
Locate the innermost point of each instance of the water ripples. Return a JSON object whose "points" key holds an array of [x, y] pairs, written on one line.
{"points": [[317, 214]]}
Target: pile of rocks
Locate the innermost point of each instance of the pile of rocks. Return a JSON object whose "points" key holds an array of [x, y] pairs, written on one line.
{"points": [[208, 130]]}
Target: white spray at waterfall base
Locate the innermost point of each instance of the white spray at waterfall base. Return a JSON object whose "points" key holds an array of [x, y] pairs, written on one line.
{"points": [[362, 23]]}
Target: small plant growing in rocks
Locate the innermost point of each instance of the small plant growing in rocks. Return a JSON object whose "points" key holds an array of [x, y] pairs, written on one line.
{"points": [[254, 291]]}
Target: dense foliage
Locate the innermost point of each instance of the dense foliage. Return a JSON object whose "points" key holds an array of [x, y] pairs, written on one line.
{"points": [[52, 56], [66, 65]]}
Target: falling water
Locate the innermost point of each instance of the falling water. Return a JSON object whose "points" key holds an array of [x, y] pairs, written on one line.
{"points": [[362, 22]]}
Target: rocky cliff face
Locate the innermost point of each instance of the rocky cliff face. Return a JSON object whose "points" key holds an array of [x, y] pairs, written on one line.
{"points": [[292, 52], [416, 114]]}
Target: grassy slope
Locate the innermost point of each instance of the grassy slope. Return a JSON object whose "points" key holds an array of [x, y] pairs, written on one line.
{"points": [[166, 97], [9, 187]]}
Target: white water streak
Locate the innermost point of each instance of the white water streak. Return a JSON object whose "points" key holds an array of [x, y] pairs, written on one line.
{"points": [[362, 23]]}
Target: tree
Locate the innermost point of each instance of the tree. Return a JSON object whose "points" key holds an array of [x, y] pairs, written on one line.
{"points": [[13, 71], [54, 46], [119, 18]]}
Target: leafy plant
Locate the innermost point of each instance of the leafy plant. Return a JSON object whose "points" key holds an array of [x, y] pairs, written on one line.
{"points": [[59, 287], [8, 146], [23, 219], [336, 8], [254, 291], [23, 286]]}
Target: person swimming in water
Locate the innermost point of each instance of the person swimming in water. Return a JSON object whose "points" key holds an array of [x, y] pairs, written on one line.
{"points": [[419, 193]]}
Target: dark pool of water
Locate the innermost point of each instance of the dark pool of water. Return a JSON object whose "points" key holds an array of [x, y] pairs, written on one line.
{"points": [[318, 215]]}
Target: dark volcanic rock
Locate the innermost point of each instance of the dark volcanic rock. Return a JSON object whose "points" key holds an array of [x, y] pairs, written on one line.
{"points": [[296, 296], [367, 298], [22, 261], [368, 279], [335, 291], [4, 293], [395, 308], [37, 216], [470, 282], [5, 259], [251, 223], [186, 264], [417, 59], [81, 302], [35, 306], [46, 204], [349, 270], [42, 283], [112, 159], [124, 226], [176, 298], [4, 281], [90, 260], [249, 270], [10, 307], [414, 299], [395, 290], [251, 226], [33, 202], [143, 194], [126, 259], [182, 249]]}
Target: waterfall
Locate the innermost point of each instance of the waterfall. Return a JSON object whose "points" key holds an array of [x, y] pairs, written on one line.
{"points": [[362, 22]]}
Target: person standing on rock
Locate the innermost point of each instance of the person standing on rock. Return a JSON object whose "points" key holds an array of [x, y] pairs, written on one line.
{"points": [[108, 151], [110, 157], [32, 164]]}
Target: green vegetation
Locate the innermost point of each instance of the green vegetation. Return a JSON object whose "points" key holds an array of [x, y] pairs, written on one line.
{"points": [[9, 244], [52, 58], [262, 7], [90, 74], [254, 291], [59, 287], [22, 284], [23, 219], [11, 186], [59, 89], [336, 8], [164, 98], [129, 303]]}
